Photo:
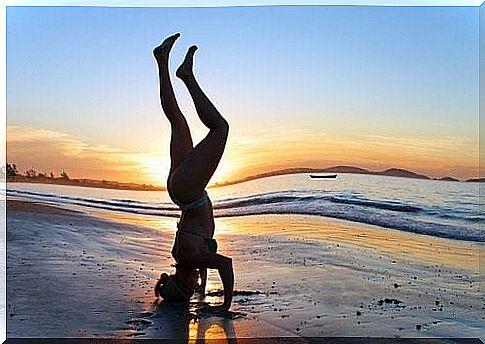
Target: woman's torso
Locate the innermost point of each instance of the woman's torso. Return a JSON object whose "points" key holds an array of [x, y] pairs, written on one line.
{"points": [[193, 227], [198, 221]]}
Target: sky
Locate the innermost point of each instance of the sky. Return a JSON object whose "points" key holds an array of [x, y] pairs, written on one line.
{"points": [[301, 86]]}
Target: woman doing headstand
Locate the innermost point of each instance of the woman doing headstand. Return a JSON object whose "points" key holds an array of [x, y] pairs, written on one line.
{"points": [[194, 249]]}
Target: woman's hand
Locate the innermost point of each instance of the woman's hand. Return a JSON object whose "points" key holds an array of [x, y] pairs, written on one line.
{"points": [[224, 266], [203, 281]]}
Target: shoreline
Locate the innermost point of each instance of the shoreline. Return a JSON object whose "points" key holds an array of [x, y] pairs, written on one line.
{"points": [[413, 246], [338, 283]]}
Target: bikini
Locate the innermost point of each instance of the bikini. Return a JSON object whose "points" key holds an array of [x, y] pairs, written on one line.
{"points": [[198, 203], [210, 243], [202, 201]]}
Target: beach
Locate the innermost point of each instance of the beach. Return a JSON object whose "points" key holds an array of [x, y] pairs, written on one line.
{"points": [[74, 272]]}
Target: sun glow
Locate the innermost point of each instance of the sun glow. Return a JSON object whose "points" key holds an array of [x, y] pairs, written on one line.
{"points": [[224, 172], [154, 169]]}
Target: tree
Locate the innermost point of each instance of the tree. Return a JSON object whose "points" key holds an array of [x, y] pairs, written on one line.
{"points": [[12, 170], [31, 173], [64, 175]]}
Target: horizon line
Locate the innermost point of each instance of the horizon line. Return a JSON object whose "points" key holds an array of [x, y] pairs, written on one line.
{"points": [[281, 171]]}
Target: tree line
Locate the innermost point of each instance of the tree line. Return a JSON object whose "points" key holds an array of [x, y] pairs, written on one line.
{"points": [[12, 171]]}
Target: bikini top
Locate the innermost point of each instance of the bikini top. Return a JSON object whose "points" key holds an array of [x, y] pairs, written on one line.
{"points": [[198, 203]]}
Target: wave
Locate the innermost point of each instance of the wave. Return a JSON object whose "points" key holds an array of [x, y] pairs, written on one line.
{"points": [[129, 206], [394, 214]]}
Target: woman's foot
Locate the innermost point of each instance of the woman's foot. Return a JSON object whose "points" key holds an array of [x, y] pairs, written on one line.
{"points": [[186, 68], [163, 50]]}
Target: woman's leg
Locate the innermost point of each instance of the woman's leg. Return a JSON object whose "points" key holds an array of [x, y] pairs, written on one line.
{"points": [[194, 173], [181, 140]]}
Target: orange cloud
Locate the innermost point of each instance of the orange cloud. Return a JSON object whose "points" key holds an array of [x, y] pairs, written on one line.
{"points": [[436, 157], [47, 150]]}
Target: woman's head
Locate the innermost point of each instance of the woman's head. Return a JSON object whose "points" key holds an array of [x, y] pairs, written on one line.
{"points": [[177, 287]]}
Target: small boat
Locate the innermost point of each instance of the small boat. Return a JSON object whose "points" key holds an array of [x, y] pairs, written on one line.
{"points": [[318, 176]]}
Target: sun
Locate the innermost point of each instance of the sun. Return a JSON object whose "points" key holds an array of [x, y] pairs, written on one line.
{"points": [[226, 171], [154, 169]]}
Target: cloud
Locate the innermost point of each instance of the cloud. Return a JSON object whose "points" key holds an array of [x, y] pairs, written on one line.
{"points": [[47, 150], [463, 147], [436, 156]]}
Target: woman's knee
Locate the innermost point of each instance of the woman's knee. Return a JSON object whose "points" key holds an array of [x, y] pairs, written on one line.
{"points": [[218, 124], [223, 126]]}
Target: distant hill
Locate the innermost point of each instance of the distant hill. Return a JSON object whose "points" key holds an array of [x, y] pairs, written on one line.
{"points": [[398, 172], [448, 179], [347, 169], [475, 180], [392, 172]]}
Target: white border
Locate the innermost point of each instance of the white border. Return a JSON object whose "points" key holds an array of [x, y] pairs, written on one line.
{"points": [[217, 3], [3, 155], [151, 3]]}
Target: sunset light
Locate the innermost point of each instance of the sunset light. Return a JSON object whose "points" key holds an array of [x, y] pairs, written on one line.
{"points": [[324, 100], [154, 168]]}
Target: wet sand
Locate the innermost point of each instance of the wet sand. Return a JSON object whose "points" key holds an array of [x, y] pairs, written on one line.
{"points": [[77, 274]]}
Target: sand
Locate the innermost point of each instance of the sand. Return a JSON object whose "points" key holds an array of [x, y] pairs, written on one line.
{"points": [[76, 274]]}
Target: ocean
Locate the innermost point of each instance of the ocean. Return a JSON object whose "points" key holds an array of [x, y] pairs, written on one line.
{"points": [[431, 207]]}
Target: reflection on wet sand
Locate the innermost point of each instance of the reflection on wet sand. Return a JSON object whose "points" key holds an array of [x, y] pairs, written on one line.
{"points": [[215, 327], [184, 321]]}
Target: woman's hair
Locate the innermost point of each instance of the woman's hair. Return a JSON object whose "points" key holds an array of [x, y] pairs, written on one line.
{"points": [[170, 289]]}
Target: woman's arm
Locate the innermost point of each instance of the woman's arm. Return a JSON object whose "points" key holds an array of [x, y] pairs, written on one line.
{"points": [[224, 267], [203, 280]]}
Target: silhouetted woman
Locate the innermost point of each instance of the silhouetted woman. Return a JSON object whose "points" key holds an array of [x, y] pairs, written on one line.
{"points": [[194, 249]]}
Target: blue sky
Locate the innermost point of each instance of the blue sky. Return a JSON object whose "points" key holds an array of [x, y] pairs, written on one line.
{"points": [[279, 71]]}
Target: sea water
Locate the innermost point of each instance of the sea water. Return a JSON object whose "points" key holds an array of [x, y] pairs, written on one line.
{"points": [[439, 208]]}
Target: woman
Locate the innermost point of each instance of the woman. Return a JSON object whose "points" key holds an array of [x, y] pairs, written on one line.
{"points": [[191, 168]]}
